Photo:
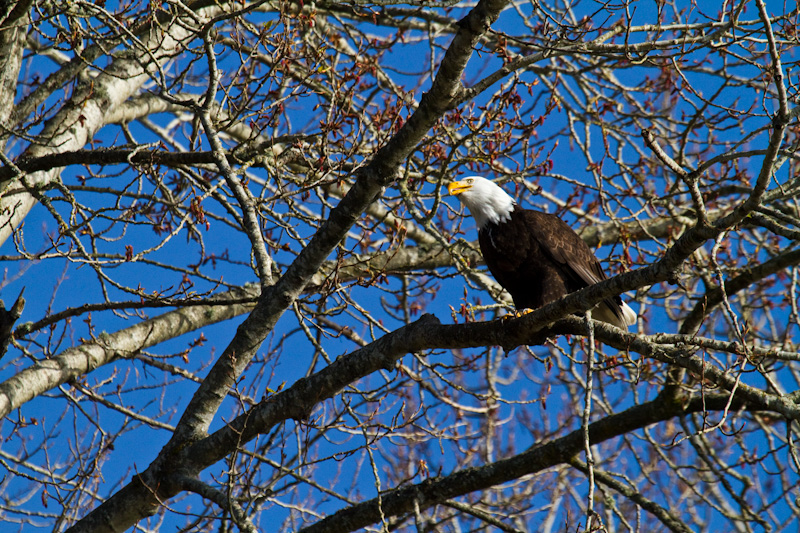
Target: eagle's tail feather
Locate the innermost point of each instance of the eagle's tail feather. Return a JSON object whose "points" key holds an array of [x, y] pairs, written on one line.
{"points": [[617, 314]]}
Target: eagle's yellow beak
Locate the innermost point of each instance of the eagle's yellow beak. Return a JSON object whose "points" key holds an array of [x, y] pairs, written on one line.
{"points": [[457, 187]]}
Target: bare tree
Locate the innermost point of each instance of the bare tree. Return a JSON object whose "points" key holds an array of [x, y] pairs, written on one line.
{"points": [[170, 167]]}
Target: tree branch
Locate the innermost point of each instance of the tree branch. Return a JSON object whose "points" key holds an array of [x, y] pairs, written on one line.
{"points": [[541, 457]]}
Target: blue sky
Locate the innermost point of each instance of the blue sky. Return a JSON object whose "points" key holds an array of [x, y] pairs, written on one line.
{"points": [[55, 284]]}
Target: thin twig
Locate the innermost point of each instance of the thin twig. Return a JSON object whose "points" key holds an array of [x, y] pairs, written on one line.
{"points": [[587, 412]]}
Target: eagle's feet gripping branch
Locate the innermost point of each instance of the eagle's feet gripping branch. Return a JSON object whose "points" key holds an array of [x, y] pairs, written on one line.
{"points": [[516, 313]]}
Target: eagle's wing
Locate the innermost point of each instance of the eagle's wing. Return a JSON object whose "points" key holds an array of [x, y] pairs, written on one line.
{"points": [[565, 247], [552, 240], [578, 263]]}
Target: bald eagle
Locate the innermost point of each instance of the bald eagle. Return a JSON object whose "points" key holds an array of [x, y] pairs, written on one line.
{"points": [[535, 256]]}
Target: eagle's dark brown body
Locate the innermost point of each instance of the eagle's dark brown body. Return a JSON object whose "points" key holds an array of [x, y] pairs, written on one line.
{"points": [[538, 259]]}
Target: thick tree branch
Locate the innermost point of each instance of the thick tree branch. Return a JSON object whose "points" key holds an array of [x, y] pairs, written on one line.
{"points": [[13, 31]]}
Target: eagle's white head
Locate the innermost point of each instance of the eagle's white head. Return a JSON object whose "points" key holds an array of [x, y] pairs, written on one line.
{"points": [[486, 201]]}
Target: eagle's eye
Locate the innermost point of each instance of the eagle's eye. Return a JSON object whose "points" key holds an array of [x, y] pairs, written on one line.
{"points": [[470, 180]]}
